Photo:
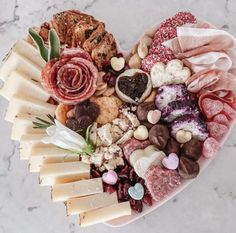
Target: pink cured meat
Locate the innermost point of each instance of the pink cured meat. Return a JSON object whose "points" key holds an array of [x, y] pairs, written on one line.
{"points": [[132, 145], [229, 111], [216, 130], [71, 78], [161, 181], [210, 147]]}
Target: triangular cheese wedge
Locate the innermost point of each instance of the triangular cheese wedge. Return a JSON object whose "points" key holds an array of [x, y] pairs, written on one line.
{"points": [[19, 83], [24, 105]]}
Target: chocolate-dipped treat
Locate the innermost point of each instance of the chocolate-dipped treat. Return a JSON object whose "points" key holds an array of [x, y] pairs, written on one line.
{"points": [[159, 135], [172, 146], [192, 149], [143, 109], [188, 169]]}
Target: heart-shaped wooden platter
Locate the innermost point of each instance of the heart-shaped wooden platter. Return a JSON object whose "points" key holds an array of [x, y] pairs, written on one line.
{"points": [[9, 94]]}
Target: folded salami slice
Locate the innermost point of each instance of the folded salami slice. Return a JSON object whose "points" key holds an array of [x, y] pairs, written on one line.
{"points": [[71, 78]]}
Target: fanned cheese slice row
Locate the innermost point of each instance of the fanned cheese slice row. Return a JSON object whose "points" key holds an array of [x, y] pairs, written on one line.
{"points": [[60, 173], [15, 61], [83, 204], [49, 154], [30, 52], [105, 214], [18, 82], [22, 124], [24, 105], [63, 192], [28, 141]]}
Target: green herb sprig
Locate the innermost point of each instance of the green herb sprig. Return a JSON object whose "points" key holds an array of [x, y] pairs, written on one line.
{"points": [[43, 124]]}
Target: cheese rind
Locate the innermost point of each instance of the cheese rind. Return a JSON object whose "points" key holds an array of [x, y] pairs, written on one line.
{"points": [[83, 204], [63, 192], [15, 61], [23, 105], [59, 173], [105, 214], [18, 82]]}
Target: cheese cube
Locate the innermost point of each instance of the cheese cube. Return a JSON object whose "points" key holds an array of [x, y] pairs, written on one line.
{"points": [[105, 214], [49, 154], [83, 204], [15, 61], [24, 105], [63, 192], [28, 141], [59, 173], [17, 82], [22, 124], [27, 50]]}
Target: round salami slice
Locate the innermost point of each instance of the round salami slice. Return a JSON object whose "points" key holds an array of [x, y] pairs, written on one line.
{"points": [[210, 147], [71, 78], [161, 181]]}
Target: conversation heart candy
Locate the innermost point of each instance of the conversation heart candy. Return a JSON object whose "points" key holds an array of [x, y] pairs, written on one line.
{"points": [[136, 192], [153, 116], [110, 177], [171, 161]]}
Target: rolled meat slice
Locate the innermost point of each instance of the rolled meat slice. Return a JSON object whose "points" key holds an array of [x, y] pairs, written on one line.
{"points": [[71, 78]]}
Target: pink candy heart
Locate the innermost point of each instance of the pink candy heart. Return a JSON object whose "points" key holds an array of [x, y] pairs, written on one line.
{"points": [[110, 177], [153, 116], [171, 162]]}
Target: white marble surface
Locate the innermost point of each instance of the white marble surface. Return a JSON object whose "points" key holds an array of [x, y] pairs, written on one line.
{"points": [[208, 205]]}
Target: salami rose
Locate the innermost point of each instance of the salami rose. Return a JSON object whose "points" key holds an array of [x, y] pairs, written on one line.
{"points": [[71, 78]]}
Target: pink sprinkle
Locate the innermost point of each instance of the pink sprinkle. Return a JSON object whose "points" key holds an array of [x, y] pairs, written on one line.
{"points": [[164, 34]]}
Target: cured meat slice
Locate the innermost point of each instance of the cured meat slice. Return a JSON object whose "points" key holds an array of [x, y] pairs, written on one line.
{"points": [[132, 145], [161, 181], [71, 78]]}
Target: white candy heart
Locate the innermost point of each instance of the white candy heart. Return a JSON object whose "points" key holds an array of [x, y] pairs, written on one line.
{"points": [[141, 133], [171, 162], [117, 63], [153, 116]]}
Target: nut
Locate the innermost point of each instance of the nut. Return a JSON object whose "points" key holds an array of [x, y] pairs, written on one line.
{"points": [[134, 49], [151, 97], [154, 116], [142, 50], [117, 63], [141, 133], [146, 40], [135, 62], [183, 136], [71, 113], [151, 31]]}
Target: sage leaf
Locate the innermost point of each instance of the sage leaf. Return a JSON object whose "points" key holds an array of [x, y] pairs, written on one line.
{"points": [[38, 40], [54, 45]]}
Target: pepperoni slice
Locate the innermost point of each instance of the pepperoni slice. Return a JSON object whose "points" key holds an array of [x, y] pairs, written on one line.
{"points": [[210, 147]]}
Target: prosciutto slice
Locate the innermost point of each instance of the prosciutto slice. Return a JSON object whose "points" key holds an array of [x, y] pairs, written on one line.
{"points": [[71, 78]]}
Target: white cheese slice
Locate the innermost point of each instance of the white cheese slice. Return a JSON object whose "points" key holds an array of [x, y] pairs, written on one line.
{"points": [[30, 52], [19, 82], [23, 105], [63, 192], [83, 204], [22, 124], [60, 173], [49, 154], [105, 214], [15, 61], [28, 141]]}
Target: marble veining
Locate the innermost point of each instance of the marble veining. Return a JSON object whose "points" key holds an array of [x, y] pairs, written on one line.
{"points": [[208, 205]]}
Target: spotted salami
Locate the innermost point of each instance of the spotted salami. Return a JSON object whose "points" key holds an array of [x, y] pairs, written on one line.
{"points": [[71, 78]]}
